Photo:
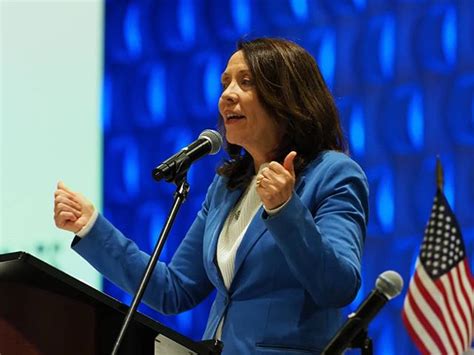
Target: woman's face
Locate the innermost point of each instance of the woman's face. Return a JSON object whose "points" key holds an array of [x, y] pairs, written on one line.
{"points": [[246, 123]]}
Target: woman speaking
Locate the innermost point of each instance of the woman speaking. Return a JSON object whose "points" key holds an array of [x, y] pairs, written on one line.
{"points": [[281, 231]]}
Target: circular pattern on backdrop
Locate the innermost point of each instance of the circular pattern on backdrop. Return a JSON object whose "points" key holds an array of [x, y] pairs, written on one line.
{"points": [[402, 75]]}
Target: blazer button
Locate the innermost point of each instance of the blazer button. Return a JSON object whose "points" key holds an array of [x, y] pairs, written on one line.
{"points": [[226, 301]]}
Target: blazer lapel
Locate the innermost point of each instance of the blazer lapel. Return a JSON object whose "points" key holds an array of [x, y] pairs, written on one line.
{"points": [[300, 184], [219, 219], [255, 231]]}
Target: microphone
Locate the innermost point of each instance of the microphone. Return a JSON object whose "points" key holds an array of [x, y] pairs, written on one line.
{"points": [[209, 142], [389, 284]]}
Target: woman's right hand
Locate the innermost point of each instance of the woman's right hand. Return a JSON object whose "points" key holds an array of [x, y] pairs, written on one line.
{"points": [[72, 211]]}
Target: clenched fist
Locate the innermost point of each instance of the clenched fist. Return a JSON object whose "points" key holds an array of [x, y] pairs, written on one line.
{"points": [[72, 211]]}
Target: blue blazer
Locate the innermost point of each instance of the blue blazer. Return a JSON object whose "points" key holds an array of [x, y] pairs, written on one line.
{"points": [[293, 270]]}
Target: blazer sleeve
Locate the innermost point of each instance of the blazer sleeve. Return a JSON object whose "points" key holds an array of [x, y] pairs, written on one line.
{"points": [[321, 233], [173, 288]]}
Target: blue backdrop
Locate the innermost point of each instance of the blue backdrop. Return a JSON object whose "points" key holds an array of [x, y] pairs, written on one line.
{"points": [[402, 73]]}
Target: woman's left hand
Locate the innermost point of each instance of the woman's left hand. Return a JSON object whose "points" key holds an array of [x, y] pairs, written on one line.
{"points": [[275, 182]]}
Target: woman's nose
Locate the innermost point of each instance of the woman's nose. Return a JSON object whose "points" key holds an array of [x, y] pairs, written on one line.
{"points": [[229, 94]]}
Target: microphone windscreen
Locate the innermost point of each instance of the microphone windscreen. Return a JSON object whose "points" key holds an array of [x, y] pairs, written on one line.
{"points": [[390, 283], [214, 138]]}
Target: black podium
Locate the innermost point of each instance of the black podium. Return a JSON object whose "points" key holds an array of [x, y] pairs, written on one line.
{"points": [[45, 311]]}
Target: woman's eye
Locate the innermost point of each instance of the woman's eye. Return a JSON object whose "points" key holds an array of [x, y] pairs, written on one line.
{"points": [[247, 82]]}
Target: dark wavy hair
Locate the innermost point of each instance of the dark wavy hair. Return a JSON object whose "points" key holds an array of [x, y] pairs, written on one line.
{"points": [[291, 89]]}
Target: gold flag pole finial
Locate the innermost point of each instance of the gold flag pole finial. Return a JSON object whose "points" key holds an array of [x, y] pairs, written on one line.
{"points": [[439, 174]]}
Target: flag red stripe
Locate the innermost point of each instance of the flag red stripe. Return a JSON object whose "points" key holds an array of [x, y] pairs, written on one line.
{"points": [[458, 297], [434, 306], [462, 333], [426, 324], [414, 335], [452, 308], [466, 289], [468, 294]]}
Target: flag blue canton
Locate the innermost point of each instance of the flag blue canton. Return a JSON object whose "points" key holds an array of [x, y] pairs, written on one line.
{"points": [[442, 246]]}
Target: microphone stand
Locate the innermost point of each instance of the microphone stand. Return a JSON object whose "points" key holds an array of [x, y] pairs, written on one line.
{"points": [[362, 342], [179, 198]]}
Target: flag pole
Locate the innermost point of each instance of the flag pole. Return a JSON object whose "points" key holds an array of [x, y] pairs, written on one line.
{"points": [[439, 174]]}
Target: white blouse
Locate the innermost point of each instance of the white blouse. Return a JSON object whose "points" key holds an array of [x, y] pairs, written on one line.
{"points": [[234, 229], [232, 234]]}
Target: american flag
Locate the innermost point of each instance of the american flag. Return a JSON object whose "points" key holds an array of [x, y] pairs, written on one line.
{"points": [[438, 310]]}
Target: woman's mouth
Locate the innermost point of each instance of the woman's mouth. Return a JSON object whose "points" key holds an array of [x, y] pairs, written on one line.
{"points": [[232, 117]]}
